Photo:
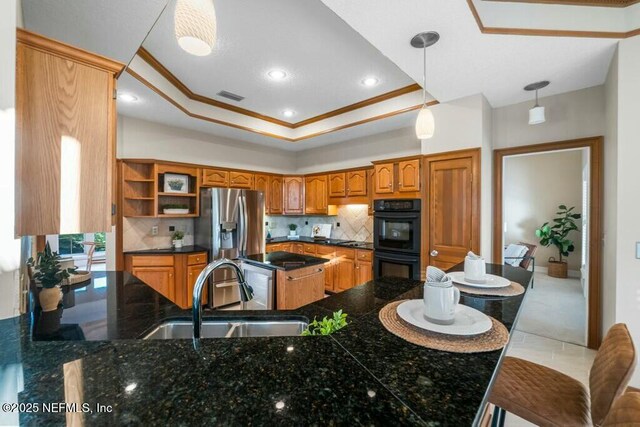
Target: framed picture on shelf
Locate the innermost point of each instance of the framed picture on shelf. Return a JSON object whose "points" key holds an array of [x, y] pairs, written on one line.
{"points": [[175, 183]]}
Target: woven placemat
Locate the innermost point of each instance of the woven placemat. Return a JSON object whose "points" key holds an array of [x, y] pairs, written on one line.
{"points": [[512, 290], [494, 339]]}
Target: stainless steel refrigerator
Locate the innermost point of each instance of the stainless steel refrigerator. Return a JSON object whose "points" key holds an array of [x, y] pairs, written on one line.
{"points": [[231, 224]]}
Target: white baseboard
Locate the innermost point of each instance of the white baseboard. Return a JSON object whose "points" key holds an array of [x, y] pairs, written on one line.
{"points": [[571, 273]]}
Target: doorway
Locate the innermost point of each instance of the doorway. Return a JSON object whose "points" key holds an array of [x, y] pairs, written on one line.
{"points": [[531, 185]]}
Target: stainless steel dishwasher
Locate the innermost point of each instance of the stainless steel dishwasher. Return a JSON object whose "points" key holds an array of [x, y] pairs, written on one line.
{"points": [[263, 282]]}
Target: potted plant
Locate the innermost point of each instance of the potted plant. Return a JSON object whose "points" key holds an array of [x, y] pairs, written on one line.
{"points": [[557, 235], [177, 239], [175, 209], [292, 229], [48, 272]]}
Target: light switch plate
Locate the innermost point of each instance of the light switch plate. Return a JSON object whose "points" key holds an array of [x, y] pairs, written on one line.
{"points": [[154, 230]]}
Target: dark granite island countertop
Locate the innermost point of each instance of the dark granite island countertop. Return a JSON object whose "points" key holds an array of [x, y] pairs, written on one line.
{"points": [[353, 244], [283, 260], [359, 375], [168, 251]]}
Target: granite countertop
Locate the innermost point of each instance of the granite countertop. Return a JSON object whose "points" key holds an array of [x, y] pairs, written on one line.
{"points": [[283, 260], [359, 375], [162, 251], [353, 244]]}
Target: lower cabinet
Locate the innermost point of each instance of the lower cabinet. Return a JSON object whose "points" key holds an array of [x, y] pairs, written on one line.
{"points": [[345, 270], [173, 276], [300, 287]]}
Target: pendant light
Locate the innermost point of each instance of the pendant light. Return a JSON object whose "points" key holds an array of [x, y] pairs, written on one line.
{"points": [[536, 114], [425, 124], [195, 26]]}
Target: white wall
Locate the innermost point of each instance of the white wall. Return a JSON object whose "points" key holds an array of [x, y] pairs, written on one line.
{"points": [[10, 247], [628, 202], [359, 152], [532, 198], [142, 139]]}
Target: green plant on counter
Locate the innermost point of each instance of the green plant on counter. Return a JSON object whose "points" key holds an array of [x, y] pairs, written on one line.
{"points": [[47, 268], [326, 326], [293, 227], [557, 233], [175, 206], [178, 235]]}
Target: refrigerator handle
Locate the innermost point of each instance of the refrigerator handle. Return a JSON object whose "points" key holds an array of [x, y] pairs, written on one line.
{"points": [[245, 226]]}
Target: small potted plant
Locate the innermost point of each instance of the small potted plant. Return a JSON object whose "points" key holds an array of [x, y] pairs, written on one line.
{"points": [[557, 235], [48, 272], [177, 239], [292, 230], [175, 209]]}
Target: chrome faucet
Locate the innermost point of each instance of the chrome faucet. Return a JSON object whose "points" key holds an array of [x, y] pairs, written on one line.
{"points": [[246, 293]]}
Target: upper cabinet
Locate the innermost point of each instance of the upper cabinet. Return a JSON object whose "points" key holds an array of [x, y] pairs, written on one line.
{"points": [[275, 195], [315, 190], [215, 178], [293, 195], [65, 138], [357, 183], [337, 185], [399, 178], [261, 183], [241, 180]]}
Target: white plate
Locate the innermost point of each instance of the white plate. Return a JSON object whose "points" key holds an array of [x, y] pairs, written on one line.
{"points": [[468, 321], [493, 281]]}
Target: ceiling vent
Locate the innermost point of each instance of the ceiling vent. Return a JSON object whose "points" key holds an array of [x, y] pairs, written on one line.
{"points": [[231, 96]]}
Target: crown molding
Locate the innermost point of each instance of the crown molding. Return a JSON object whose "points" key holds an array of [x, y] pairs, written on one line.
{"points": [[545, 32], [594, 3], [162, 70]]}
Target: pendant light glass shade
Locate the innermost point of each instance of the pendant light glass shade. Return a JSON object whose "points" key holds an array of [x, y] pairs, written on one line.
{"points": [[195, 26], [536, 115], [426, 124]]}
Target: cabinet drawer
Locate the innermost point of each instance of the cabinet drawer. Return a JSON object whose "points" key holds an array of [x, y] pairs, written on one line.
{"points": [[325, 250], [309, 249], [363, 255], [199, 258], [152, 260], [346, 253]]}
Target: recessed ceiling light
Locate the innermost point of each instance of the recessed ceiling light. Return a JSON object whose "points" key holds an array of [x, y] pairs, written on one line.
{"points": [[288, 113], [277, 74], [127, 97], [370, 81]]}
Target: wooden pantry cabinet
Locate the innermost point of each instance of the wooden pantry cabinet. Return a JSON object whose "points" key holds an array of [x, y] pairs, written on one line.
{"points": [[65, 138], [172, 275]]}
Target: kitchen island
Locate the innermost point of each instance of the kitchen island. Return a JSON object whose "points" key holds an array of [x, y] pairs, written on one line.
{"points": [[359, 375]]}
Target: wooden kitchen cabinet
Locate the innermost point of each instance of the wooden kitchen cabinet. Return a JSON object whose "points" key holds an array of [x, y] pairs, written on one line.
{"points": [[364, 266], [384, 178], [357, 183], [275, 195], [300, 287], [337, 185], [345, 270], [215, 178], [242, 180], [261, 183], [409, 176], [327, 252], [297, 248], [293, 195], [173, 276], [315, 190], [65, 138]]}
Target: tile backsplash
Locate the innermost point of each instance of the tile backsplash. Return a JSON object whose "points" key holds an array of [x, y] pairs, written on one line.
{"points": [[137, 232], [355, 224]]}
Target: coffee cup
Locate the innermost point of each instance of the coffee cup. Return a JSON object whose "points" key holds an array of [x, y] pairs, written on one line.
{"points": [[440, 302], [475, 270]]}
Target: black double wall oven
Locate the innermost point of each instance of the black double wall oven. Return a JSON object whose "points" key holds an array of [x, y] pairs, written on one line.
{"points": [[396, 228]]}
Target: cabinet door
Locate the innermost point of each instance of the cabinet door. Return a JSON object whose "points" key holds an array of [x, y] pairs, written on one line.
{"points": [[409, 176], [273, 247], [297, 248], [309, 249], [315, 190], [327, 252], [293, 189], [300, 287], [357, 183], [261, 183], [193, 271], [215, 178], [275, 195], [337, 185], [370, 179], [345, 269], [241, 180], [162, 279], [364, 272], [383, 178]]}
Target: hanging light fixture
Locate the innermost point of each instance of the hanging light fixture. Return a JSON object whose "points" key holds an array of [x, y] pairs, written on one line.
{"points": [[425, 124], [195, 26], [536, 114]]}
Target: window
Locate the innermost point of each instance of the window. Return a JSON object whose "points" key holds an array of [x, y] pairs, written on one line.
{"points": [[69, 244], [72, 244]]}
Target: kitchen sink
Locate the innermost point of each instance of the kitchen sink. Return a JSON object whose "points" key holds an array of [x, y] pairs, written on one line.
{"points": [[183, 329]]}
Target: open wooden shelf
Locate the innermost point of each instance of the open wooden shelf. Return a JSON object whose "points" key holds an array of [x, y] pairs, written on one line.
{"points": [[140, 180], [140, 198], [190, 215], [178, 194]]}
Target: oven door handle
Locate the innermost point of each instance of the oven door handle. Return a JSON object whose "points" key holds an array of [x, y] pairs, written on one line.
{"points": [[400, 216], [392, 258]]}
